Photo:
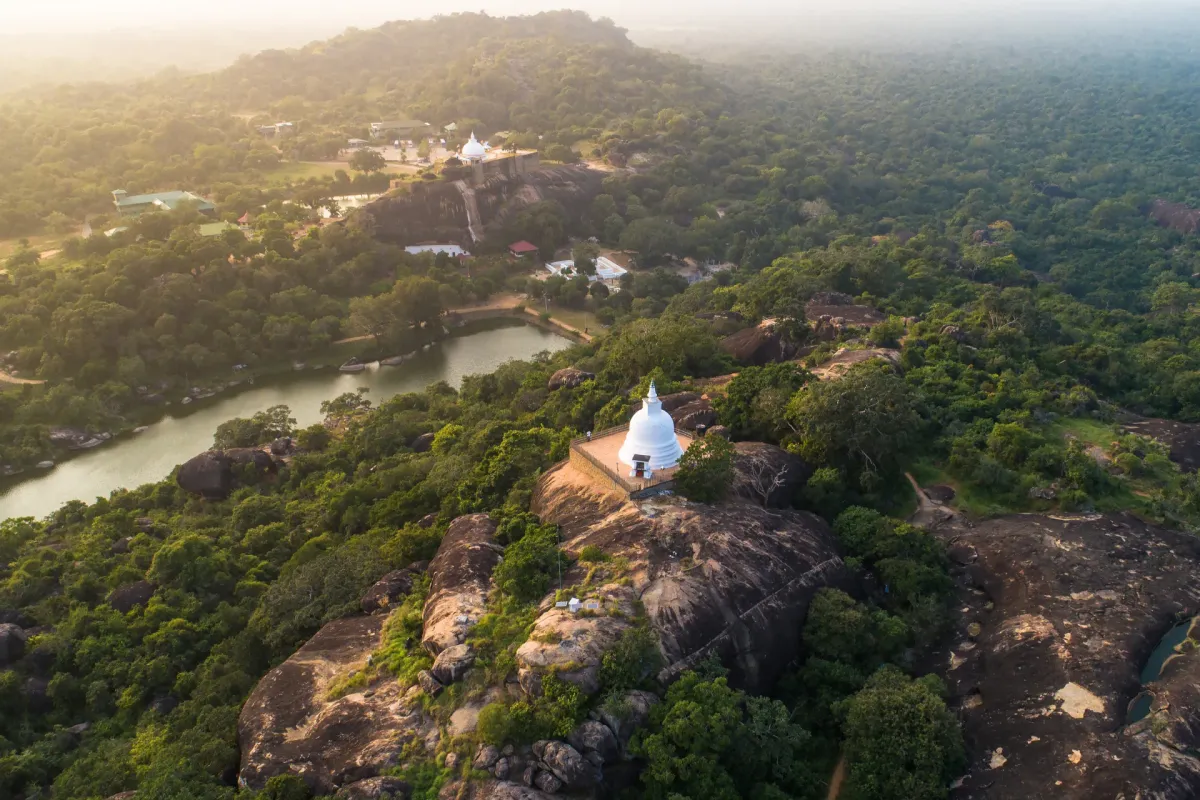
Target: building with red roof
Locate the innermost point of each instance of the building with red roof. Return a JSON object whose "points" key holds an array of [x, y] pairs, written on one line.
{"points": [[522, 248]]}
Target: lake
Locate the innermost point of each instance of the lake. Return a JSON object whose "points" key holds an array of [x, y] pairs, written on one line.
{"points": [[150, 456]]}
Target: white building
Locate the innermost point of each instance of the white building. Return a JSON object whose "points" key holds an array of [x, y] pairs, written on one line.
{"points": [[451, 249], [651, 442], [608, 272]]}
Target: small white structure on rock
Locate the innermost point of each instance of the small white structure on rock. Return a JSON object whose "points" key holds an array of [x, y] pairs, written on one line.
{"points": [[651, 442], [473, 150]]}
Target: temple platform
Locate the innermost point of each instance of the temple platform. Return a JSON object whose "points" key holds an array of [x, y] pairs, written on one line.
{"points": [[598, 457]]}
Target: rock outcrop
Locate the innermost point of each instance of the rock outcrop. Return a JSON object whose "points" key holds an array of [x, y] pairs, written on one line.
{"points": [[289, 724], [460, 576], [840, 362], [12, 643], [1183, 438], [374, 789], [422, 443], [1058, 615], [1177, 216], [732, 580], [568, 378], [390, 588], [214, 474], [767, 475], [131, 595], [758, 346]]}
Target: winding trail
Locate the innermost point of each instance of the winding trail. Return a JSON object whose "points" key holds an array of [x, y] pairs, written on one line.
{"points": [[6, 378], [835, 781]]}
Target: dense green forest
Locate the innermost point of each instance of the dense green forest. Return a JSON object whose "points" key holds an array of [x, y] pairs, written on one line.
{"points": [[994, 206]]}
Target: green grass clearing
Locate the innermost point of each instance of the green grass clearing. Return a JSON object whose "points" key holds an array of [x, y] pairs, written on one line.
{"points": [[299, 171], [579, 318], [41, 243]]}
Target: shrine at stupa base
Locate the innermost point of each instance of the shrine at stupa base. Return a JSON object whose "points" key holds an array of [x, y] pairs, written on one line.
{"points": [[638, 458]]}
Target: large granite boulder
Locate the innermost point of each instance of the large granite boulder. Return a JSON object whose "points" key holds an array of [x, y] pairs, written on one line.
{"points": [[568, 378], [422, 443], [758, 346], [840, 362], [767, 475], [214, 474], [491, 790], [131, 595], [452, 663], [378, 788], [731, 580], [388, 589], [460, 577], [1057, 616], [694, 415], [289, 724], [12, 643]]}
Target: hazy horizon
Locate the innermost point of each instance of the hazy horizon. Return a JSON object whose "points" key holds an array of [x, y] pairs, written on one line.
{"points": [[84, 16]]}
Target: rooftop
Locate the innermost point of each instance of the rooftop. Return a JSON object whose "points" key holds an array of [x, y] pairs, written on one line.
{"points": [[523, 247], [166, 200]]}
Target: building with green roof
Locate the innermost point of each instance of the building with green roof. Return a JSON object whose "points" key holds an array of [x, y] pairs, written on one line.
{"points": [[131, 205]]}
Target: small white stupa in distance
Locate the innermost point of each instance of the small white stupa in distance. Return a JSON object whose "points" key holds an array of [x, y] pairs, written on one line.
{"points": [[651, 433], [473, 150]]}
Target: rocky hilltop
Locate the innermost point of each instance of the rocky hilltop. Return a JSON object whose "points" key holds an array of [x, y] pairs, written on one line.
{"points": [[732, 580], [1059, 613]]}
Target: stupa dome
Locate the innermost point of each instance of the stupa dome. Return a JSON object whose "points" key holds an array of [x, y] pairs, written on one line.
{"points": [[473, 149], [651, 433]]}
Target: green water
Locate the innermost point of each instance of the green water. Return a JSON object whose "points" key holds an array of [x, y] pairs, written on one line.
{"points": [[150, 456], [1151, 672]]}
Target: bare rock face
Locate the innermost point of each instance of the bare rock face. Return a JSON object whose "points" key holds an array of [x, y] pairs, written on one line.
{"points": [[491, 790], [1176, 216], [377, 788], [460, 575], [593, 736], [131, 595], [1059, 614], [289, 725], [758, 346], [423, 443], [767, 475], [1183, 438], [841, 361], [567, 764], [388, 589], [732, 580], [12, 643], [572, 645], [452, 663], [692, 416], [1170, 733], [213, 474], [568, 378]]}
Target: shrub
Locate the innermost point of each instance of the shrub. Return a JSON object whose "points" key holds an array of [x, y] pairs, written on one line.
{"points": [[529, 564], [631, 660], [706, 470]]}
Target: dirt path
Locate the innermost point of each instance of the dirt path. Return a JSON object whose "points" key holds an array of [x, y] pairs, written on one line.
{"points": [[839, 775], [928, 514], [6, 378]]}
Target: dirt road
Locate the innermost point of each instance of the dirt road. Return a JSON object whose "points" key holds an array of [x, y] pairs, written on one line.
{"points": [[6, 378]]}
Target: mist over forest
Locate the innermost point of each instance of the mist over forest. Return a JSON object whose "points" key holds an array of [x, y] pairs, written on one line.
{"points": [[641, 401]]}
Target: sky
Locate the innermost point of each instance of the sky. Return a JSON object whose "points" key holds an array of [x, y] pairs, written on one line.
{"points": [[323, 17]]}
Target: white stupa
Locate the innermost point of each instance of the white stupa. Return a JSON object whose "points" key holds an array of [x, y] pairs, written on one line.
{"points": [[652, 434], [473, 150]]}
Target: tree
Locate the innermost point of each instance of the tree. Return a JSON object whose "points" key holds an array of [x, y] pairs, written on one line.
{"points": [[901, 742], [862, 421], [705, 471], [367, 160], [264, 426], [584, 255]]}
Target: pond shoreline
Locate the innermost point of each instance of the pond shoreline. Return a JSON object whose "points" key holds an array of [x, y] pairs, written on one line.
{"points": [[492, 341]]}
